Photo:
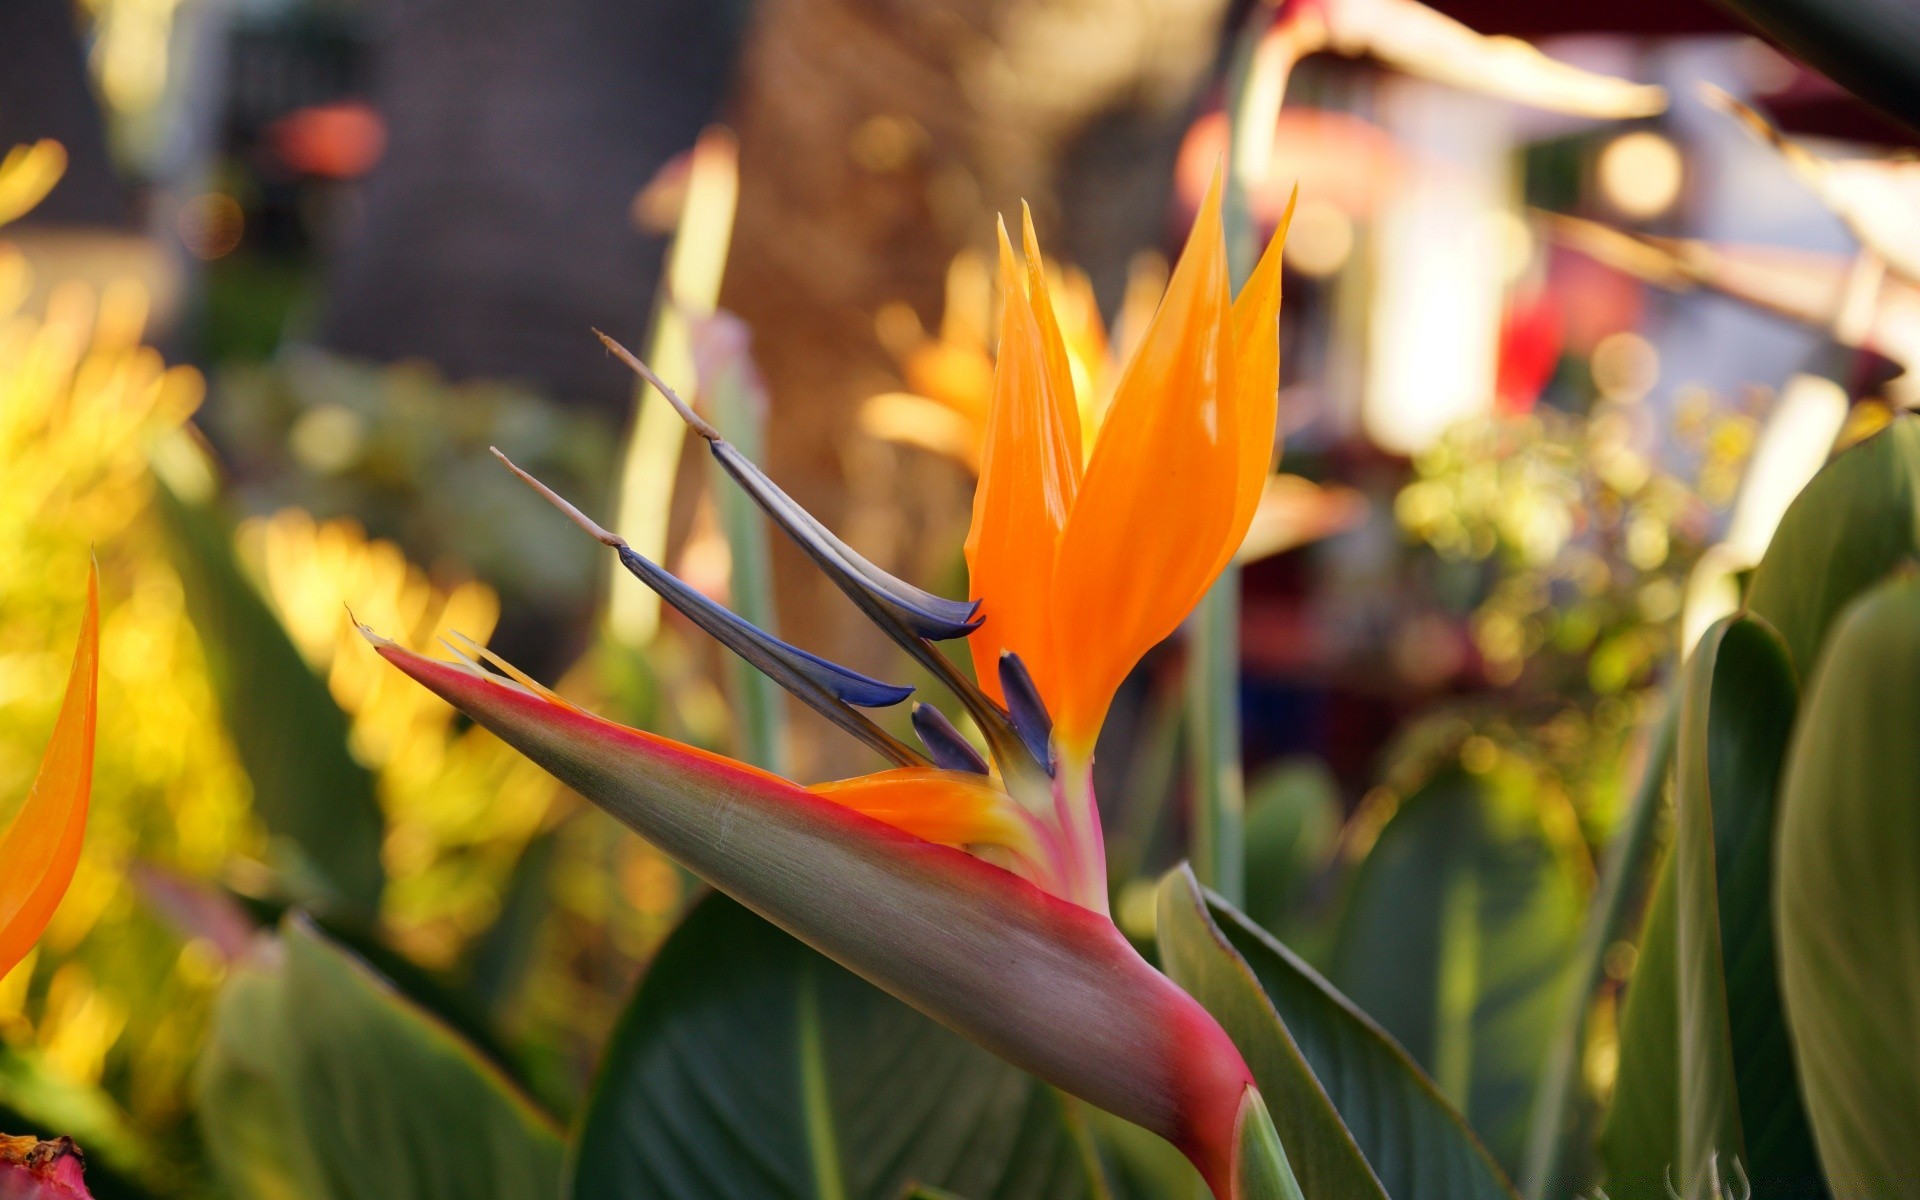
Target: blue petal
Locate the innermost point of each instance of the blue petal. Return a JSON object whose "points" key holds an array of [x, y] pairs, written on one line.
{"points": [[1024, 708], [944, 743]]}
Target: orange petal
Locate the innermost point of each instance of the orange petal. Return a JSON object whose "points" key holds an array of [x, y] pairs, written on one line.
{"points": [[40, 849], [952, 808], [1059, 364], [1160, 493], [1029, 474], [1256, 381]]}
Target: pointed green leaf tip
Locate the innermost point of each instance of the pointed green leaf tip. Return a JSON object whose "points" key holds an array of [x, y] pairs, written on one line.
{"points": [[1260, 1168], [1048, 985]]}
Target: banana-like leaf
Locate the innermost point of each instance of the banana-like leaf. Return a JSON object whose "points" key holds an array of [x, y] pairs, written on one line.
{"points": [[1738, 1095], [1457, 934], [1858, 519], [244, 1093], [317, 802], [324, 1083], [1051, 987], [1846, 892], [1640, 1141], [1357, 1116], [1706, 1075], [748, 1066]]}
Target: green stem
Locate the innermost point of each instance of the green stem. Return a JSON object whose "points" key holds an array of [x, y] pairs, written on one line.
{"points": [[1620, 890], [1213, 742], [738, 411]]}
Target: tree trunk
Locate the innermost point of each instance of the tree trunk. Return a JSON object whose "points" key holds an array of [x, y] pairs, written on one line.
{"points": [[879, 137]]}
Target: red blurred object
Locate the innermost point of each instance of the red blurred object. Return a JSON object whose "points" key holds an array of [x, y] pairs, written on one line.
{"points": [[330, 141], [1594, 300], [1532, 334]]}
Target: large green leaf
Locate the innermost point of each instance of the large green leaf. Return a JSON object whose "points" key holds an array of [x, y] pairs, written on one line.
{"points": [[1640, 1142], [1558, 1155], [322, 1082], [317, 802], [243, 1094], [1705, 1068], [1355, 1113], [748, 1066], [1857, 519], [1847, 895], [396, 1105], [1457, 934]]}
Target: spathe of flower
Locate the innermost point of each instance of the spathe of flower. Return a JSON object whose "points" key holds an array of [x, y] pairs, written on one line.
{"points": [[974, 887], [41, 846]]}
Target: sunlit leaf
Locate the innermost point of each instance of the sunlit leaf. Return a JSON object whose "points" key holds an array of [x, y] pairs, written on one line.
{"points": [[1847, 889], [1705, 1069], [317, 802], [1858, 518]]}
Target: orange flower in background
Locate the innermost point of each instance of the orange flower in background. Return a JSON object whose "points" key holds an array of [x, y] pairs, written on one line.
{"points": [[41, 847]]}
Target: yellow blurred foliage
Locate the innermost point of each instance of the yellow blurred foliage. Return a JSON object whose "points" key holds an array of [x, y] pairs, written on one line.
{"points": [[460, 804]]}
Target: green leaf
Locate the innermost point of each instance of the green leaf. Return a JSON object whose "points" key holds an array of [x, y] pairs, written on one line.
{"points": [[1556, 1158], [317, 802], [1640, 1142], [1457, 935], [748, 1066], [1293, 825], [1857, 519], [1355, 1113], [1261, 1169], [1194, 951], [396, 1105], [1847, 891], [321, 1082], [243, 1094], [1705, 1070]]}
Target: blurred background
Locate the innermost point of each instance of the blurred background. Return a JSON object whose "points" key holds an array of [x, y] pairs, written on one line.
{"points": [[1548, 381]]}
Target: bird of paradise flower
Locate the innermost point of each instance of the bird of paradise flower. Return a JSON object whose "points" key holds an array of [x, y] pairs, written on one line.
{"points": [[970, 885]]}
